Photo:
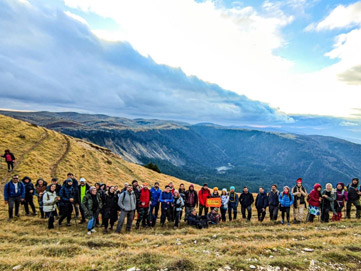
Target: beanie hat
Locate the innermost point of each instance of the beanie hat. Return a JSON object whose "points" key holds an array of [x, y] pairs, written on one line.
{"points": [[286, 187], [232, 188], [191, 185], [92, 188], [134, 181], [299, 180], [82, 180], [215, 189], [329, 184], [215, 209], [224, 189], [145, 184]]}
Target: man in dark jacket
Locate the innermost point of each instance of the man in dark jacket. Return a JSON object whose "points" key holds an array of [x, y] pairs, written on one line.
{"points": [[273, 202], [354, 193], [197, 221], [14, 194], [29, 194], [191, 200], [9, 159], [246, 199], [83, 188], [261, 204], [166, 200], [67, 196]]}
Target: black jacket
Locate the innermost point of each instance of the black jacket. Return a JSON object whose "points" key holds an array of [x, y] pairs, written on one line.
{"points": [[187, 203], [28, 187], [261, 201], [273, 198], [246, 199], [352, 192], [110, 204]]}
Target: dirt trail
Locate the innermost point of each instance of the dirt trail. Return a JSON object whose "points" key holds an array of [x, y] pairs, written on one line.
{"points": [[44, 136], [55, 166]]}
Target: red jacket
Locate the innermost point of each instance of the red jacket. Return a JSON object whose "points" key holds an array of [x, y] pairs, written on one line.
{"points": [[314, 196], [203, 194], [145, 197]]}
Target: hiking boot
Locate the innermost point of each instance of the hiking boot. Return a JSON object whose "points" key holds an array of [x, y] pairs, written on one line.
{"points": [[105, 231], [82, 222], [89, 233], [137, 226], [288, 224], [10, 219], [282, 222], [68, 224], [93, 230]]}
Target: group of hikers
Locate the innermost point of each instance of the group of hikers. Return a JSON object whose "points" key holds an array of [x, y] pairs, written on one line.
{"points": [[142, 203]]}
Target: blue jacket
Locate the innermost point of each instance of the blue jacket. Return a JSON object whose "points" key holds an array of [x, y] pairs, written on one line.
{"points": [[156, 193], [233, 200], [285, 200], [164, 198], [67, 192], [273, 198], [261, 200], [9, 191]]}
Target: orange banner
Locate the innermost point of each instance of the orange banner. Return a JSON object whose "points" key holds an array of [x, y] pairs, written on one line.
{"points": [[214, 202]]}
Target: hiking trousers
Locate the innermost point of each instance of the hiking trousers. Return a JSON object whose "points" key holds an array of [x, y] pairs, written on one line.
{"points": [[349, 205], [14, 201]]}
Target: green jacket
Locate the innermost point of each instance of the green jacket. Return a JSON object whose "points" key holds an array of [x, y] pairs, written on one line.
{"points": [[87, 204]]}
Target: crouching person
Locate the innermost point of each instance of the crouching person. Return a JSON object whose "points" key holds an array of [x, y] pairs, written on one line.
{"points": [[92, 204], [199, 221], [127, 202], [214, 217], [50, 199]]}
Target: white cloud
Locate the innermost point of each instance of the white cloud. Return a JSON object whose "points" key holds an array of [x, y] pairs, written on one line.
{"points": [[341, 17]]}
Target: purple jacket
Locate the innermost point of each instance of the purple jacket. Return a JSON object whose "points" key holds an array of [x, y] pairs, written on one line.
{"points": [[341, 196]]}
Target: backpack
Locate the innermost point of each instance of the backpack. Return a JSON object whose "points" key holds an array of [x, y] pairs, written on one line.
{"points": [[8, 157]]}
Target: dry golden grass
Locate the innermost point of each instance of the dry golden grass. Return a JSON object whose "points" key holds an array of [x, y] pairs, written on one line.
{"points": [[27, 244], [94, 163]]}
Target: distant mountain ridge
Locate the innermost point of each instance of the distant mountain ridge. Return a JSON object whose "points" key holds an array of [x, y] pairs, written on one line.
{"points": [[210, 153]]}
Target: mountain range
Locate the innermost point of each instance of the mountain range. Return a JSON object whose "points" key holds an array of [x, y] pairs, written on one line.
{"points": [[213, 154]]}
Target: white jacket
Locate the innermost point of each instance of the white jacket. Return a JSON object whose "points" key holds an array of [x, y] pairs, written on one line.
{"points": [[49, 201]]}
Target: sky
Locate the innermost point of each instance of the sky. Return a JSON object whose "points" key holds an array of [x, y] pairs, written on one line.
{"points": [[229, 62]]}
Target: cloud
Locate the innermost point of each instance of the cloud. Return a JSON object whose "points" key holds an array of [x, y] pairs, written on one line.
{"points": [[352, 76], [340, 17], [51, 60]]}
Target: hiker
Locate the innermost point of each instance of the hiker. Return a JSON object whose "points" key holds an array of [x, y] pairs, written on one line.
{"points": [[14, 194], [286, 200], [354, 193], [9, 159], [261, 204], [82, 189], [127, 203], [29, 193], [224, 206], [40, 188], [203, 195], [145, 199], [154, 206], [273, 202], [246, 199], [110, 208], [136, 192], [92, 204], [178, 207], [341, 199], [182, 193], [101, 191], [191, 201], [314, 200], [166, 200], [232, 203], [214, 217], [67, 197], [327, 203], [215, 194], [171, 188], [75, 185], [299, 204], [50, 198], [198, 221]]}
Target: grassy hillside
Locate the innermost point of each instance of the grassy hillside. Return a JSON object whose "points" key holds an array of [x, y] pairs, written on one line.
{"points": [[27, 244], [45, 153]]}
